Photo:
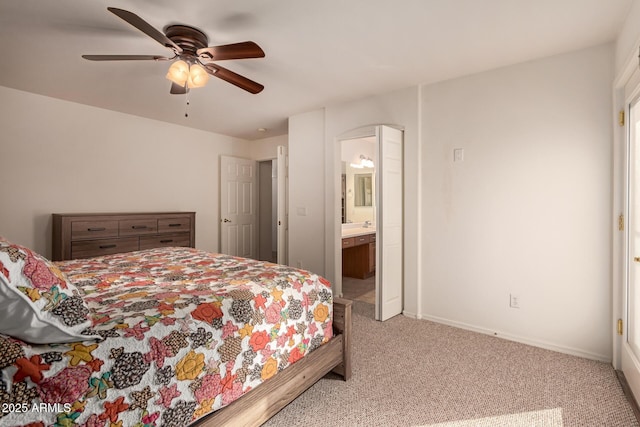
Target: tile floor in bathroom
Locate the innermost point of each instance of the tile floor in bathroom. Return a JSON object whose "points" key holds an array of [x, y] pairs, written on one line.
{"points": [[361, 290]]}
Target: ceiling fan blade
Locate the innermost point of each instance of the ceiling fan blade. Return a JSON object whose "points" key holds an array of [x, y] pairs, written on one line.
{"points": [[176, 89], [145, 27], [125, 57], [241, 50], [234, 78]]}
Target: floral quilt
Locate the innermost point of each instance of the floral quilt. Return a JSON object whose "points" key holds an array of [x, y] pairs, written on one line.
{"points": [[184, 333]]}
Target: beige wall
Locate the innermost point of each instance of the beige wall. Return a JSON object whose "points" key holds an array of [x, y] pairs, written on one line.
{"points": [[59, 156], [266, 148], [528, 212]]}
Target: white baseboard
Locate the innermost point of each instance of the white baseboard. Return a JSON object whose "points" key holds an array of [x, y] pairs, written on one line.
{"points": [[411, 315], [524, 340]]}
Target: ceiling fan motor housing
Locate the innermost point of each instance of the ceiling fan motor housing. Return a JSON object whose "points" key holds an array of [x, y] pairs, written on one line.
{"points": [[190, 39]]}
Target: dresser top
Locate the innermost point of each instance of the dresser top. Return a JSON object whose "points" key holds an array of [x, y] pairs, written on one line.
{"points": [[123, 213]]}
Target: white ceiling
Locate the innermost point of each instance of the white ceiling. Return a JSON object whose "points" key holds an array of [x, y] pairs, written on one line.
{"points": [[318, 52]]}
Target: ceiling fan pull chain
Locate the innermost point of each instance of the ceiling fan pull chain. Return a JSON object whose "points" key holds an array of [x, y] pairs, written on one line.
{"points": [[186, 108]]}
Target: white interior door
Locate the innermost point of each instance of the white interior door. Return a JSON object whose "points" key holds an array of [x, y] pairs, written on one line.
{"points": [[282, 215], [238, 200], [389, 218], [630, 351]]}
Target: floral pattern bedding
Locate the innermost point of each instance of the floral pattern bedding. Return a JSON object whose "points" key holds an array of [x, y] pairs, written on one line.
{"points": [[185, 332]]}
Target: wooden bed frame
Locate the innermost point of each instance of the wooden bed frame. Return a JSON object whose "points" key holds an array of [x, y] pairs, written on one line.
{"points": [[264, 401]]}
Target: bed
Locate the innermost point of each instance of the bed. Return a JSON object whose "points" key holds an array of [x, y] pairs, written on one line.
{"points": [[166, 336]]}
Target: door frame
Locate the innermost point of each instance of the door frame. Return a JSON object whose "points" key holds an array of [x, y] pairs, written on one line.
{"points": [[260, 206], [626, 88], [361, 132], [281, 158]]}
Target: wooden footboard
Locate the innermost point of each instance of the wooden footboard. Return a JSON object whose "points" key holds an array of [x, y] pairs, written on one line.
{"points": [[342, 326], [263, 402]]}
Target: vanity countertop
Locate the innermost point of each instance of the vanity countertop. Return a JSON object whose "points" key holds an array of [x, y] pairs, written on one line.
{"points": [[357, 231]]}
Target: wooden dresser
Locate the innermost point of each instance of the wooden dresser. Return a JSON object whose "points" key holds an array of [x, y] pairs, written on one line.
{"points": [[88, 235]]}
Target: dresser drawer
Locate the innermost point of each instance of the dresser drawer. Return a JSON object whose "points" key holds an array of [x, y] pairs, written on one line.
{"points": [[174, 224], [92, 248], [163, 240], [348, 242], [136, 227], [93, 229]]}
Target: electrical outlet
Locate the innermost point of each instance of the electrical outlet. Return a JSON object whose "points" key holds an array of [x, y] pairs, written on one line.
{"points": [[514, 301], [299, 264]]}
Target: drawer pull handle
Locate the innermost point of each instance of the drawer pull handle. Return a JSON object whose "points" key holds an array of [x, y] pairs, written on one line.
{"points": [[166, 241], [175, 225], [107, 246], [96, 229], [139, 227]]}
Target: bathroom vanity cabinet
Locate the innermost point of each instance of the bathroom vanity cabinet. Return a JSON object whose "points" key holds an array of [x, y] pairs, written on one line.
{"points": [[359, 256]]}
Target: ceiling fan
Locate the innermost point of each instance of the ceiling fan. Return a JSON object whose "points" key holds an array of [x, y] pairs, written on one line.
{"points": [[193, 59]]}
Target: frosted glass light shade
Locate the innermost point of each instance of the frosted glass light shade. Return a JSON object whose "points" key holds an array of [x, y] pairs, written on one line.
{"points": [[178, 72], [198, 76]]}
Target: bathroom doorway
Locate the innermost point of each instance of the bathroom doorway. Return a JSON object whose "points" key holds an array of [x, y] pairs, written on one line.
{"points": [[369, 262], [358, 216]]}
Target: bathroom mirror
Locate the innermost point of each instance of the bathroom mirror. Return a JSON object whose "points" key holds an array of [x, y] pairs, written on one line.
{"points": [[363, 189], [358, 183]]}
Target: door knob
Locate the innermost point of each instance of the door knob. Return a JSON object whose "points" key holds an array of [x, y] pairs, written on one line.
{"points": [[636, 259], [227, 220]]}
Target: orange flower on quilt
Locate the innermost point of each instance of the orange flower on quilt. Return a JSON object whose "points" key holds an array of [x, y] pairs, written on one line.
{"points": [[259, 301], [206, 406], [269, 369], [321, 313], [246, 331], [31, 368], [276, 294], [259, 340], [190, 366], [113, 409], [295, 355], [81, 353], [32, 293], [206, 312]]}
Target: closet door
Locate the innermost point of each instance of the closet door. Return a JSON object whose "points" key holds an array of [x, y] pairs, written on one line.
{"points": [[238, 199], [389, 217]]}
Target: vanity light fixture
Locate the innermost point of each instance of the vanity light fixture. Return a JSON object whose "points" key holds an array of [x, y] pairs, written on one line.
{"points": [[365, 162]]}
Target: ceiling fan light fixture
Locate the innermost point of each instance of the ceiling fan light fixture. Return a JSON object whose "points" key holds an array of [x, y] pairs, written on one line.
{"points": [[198, 76], [194, 65], [178, 72]]}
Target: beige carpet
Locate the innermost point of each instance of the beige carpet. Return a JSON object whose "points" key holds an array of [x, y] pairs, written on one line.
{"points": [[414, 372], [546, 418]]}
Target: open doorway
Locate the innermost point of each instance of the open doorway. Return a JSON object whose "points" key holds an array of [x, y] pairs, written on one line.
{"points": [[268, 210], [358, 216], [370, 220]]}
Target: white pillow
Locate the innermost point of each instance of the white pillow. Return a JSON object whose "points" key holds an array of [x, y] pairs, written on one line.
{"points": [[37, 302]]}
